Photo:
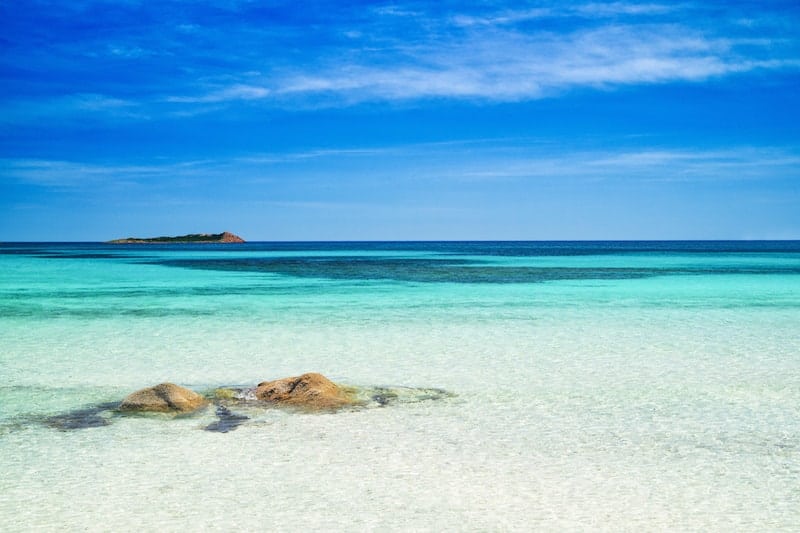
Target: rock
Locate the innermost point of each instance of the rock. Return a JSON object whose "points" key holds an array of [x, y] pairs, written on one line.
{"points": [[228, 237], [89, 417], [225, 393], [311, 391], [163, 398], [383, 396], [228, 421]]}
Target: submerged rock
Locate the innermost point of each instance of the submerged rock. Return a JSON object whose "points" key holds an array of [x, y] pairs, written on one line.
{"points": [[383, 396], [89, 417], [310, 391], [234, 394], [163, 398], [228, 421]]}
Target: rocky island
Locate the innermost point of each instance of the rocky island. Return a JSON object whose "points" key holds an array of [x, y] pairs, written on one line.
{"points": [[193, 238]]}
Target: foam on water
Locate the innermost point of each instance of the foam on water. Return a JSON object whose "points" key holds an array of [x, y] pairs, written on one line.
{"points": [[664, 401]]}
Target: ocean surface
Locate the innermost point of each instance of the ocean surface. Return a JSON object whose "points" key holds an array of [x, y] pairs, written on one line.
{"points": [[619, 386]]}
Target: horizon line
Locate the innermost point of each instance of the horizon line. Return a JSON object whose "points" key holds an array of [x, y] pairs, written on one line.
{"points": [[357, 241]]}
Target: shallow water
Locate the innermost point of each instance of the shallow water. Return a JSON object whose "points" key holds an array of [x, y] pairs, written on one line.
{"points": [[614, 386]]}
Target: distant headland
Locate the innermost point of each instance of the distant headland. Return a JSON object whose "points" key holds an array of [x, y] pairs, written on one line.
{"points": [[193, 238]]}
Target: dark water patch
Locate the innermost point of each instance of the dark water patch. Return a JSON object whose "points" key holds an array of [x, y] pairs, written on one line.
{"points": [[45, 311], [68, 251], [52, 254], [386, 396], [301, 264], [13, 425], [76, 255], [162, 312], [227, 420], [26, 252], [437, 270], [25, 294], [526, 248], [491, 248], [86, 256], [88, 417], [582, 248], [506, 248]]}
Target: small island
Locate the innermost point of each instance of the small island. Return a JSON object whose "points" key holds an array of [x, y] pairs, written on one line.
{"points": [[194, 238]]}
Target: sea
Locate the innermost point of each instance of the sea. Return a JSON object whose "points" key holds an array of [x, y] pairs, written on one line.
{"points": [[508, 386]]}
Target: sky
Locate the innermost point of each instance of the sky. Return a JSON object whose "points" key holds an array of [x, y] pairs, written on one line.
{"points": [[399, 120]]}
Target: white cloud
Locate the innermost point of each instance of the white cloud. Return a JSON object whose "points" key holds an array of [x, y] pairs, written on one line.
{"points": [[395, 11], [589, 10], [595, 9], [513, 65], [501, 18], [396, 54], [73, 106], [667, 165], [127, 51], [76, 174], [98, 102], [311, 154], [505, 54], [226, 94], [482, 161]]}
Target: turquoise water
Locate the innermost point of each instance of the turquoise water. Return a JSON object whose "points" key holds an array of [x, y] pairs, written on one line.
{"points": [[611, 386]]}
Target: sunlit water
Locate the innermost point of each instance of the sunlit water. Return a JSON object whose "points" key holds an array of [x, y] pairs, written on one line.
{"points": [[611, 386]]}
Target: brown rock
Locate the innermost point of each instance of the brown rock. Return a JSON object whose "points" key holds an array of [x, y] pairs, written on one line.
{"points": [[311, 391], [230, 237], [163, 398]]}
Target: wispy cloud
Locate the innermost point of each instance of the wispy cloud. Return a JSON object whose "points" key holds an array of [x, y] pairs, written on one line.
{"points": [[226, 94], [509, 65], [65, 174], [587, 10], [502, 17], [496, 57], [204, 59], [489, 162], [740, 164], [641, 165], [300, 156], [594, 9], [81, 105]]}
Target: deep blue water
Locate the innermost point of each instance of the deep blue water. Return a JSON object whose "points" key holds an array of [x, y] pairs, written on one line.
{"points": [[451, 262], [515, 248]]}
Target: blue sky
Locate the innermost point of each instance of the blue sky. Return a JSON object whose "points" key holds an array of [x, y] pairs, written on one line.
{"points": [[400, 120]]}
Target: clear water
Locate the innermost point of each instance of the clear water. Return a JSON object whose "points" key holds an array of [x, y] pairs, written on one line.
{"points": [[611, 386]]}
